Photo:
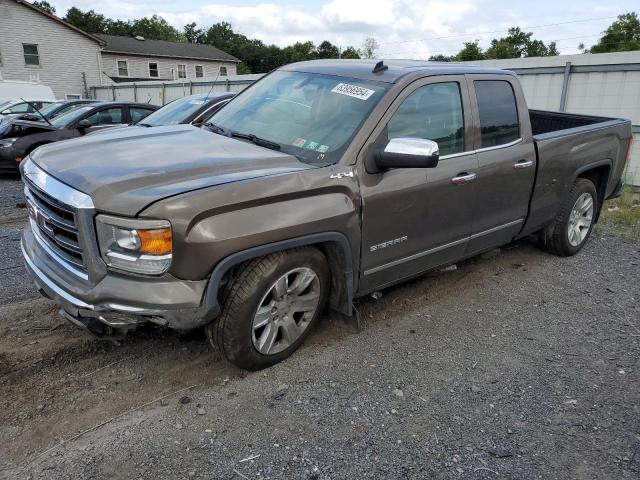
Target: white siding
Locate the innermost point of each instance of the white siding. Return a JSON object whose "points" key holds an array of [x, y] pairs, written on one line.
{"points": [[64, 53], [139, 67]]}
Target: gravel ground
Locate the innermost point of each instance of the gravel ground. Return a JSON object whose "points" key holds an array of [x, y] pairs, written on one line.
{"points": [[515, 365]]}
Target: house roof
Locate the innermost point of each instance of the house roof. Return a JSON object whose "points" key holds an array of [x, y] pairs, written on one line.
{"points": [[162, 48], [59, 20]]}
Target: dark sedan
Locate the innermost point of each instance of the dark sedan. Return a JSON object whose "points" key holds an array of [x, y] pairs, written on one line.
{"points": [[54, 110], [20, 137]]}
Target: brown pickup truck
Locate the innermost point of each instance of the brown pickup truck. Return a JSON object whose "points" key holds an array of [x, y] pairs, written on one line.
{"points": [[322, 182]]}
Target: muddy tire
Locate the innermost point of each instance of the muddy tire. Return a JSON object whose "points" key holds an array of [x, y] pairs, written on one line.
{"points": [[269, 306], [572, 226]]}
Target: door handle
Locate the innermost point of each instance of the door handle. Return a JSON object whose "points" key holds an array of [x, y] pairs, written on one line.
{"points": [[463, 178], [523, 164]]}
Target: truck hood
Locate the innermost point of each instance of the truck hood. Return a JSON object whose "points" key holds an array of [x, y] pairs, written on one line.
{"points": [[125, 171]]}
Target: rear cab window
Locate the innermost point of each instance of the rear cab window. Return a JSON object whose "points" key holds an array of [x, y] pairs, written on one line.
{"points": [[498, 111]]}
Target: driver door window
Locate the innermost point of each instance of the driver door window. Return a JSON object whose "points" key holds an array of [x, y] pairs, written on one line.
{"points": [[109, 116], [433, 112]]}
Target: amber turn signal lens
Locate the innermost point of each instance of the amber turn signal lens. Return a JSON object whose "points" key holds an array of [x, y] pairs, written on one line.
{"points": [[155, 242]]}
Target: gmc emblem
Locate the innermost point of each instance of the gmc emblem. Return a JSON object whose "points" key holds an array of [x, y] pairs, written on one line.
{"points": [[40, 218]]}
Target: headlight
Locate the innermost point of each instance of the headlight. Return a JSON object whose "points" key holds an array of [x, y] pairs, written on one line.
{"points": [[132, 245]]}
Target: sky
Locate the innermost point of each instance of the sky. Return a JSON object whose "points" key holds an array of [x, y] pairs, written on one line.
{"points": [[403, 28]]}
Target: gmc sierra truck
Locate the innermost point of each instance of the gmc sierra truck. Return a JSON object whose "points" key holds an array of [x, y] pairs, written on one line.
{"points": [[322, 182]]}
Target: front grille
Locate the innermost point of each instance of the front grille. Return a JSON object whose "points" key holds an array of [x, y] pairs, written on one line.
{"points": [[56, 223]]}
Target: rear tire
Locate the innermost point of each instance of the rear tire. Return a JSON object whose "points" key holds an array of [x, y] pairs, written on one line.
{"points": [[270, 306], [572, 227]]}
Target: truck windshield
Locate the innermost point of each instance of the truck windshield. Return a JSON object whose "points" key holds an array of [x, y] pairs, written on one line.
{"points": [[308, 115]]}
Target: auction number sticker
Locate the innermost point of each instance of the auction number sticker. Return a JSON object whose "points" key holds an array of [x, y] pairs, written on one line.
{"points": [[353, 91]]}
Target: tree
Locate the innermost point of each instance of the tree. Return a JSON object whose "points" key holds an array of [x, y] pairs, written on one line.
{"points": [[155, 28], [299, 52], [90, 21], [369, 48], [193, 34], [471, 51], [327, 50], [621, 36], [519, 44], [350, 52], [46, 6], [441, 58]]}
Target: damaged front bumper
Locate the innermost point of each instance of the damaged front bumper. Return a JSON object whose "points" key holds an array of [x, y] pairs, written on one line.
{"points": [[117, 303]]}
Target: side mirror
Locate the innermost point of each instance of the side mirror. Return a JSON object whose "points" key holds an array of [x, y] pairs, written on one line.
{"points": [[408, 153], [84, 124], [5, 112]]}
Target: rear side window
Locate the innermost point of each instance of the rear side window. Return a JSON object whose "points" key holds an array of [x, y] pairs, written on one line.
{"points": [[432, 112], [498, 112]]}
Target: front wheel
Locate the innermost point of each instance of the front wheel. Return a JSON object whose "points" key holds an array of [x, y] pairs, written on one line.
{"points": [[269, 307], [574, 223]]}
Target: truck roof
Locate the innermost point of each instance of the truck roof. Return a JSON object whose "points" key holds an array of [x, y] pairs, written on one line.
{"points": [[397, 69]]}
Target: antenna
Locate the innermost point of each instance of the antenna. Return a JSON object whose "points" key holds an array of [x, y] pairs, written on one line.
{"points": [[213, 84], [380, 67]]}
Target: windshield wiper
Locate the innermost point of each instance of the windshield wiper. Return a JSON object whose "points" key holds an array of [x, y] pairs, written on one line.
{"points": [[215, 128], [257, 140], [142, 124]]}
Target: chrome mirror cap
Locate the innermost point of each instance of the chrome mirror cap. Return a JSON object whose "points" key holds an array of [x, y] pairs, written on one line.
{"points": [[413, 146]]}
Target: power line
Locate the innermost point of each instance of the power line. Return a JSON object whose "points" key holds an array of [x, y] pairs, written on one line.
{"points": [[499, 31], [556, 40]]}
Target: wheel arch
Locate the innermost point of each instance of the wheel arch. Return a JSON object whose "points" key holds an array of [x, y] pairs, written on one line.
{"points": [[598, 173], [334, 245]]}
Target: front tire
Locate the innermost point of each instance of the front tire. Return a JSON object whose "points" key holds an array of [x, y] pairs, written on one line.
{"points": [[572, 227], [270, 306]]}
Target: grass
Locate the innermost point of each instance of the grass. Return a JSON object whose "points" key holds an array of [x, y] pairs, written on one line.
{"points": [[621, 216]]}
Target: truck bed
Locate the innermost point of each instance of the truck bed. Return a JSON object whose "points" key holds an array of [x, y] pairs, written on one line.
{"points": [[566, 145], [545, 122]]}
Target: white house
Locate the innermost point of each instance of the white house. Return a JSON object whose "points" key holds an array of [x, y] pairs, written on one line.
{"points": [[129, 59], [38, 46]]}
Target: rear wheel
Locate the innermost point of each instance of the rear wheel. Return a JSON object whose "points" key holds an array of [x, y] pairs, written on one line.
{"points": [[574, 223], [270, 306]]}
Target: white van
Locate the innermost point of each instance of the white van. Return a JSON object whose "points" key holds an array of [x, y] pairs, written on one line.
{"points": [[16, 89]]}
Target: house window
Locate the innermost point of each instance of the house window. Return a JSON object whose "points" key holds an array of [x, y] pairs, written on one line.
{"points": [[199, 71], [182, 70], [31, 56], [223, 71], [153, 70], [123, 68]]}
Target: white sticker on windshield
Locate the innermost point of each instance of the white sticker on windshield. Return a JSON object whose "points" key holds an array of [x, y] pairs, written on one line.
{"points": [[353, 91]]}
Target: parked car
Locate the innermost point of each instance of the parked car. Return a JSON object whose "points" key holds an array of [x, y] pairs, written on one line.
{"points": [[322, 182], [193, 109], [53, 110], [11, 109], [20, 137], [16, 89]]}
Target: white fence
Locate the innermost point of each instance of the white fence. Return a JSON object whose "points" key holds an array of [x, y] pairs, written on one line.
{"points": [[161, 93], [606, 84]]}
